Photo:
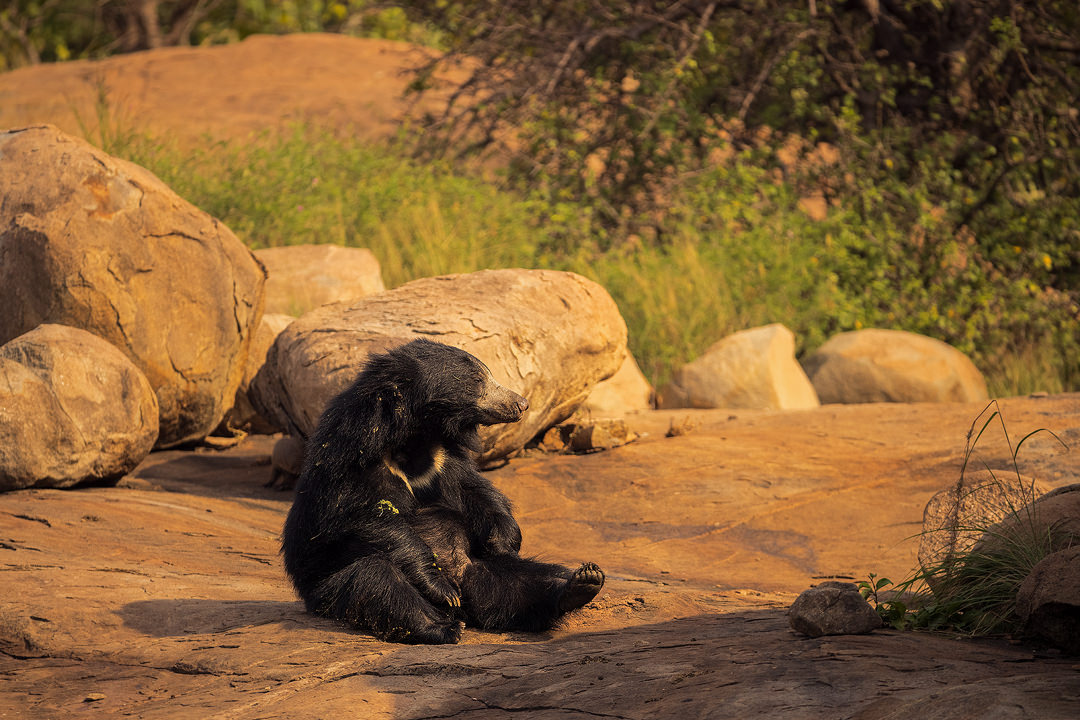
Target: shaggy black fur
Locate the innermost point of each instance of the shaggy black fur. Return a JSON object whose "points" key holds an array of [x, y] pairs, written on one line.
{"points": [[393, 530]]}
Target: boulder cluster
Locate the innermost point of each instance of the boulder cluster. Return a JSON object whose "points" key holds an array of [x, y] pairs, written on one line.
{"points": [[133, 321], [229, 340], [757, 369], [128, 313]]}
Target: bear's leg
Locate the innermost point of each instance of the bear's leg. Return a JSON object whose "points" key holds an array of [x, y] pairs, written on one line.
{"points": [[508, 592], [372, 594]]}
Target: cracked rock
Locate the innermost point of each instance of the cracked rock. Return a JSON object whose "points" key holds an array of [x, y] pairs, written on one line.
{"points": [[550, 336], [72, 409], [832, 608], [98, 243]]}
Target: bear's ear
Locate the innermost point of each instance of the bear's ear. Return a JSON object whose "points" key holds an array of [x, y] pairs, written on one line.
{"points": [[377, 413]]}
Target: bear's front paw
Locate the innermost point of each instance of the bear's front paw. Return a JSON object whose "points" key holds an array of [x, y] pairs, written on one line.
{"points": [[443, 592], [581, 587], [433, 634], [505, 536]]}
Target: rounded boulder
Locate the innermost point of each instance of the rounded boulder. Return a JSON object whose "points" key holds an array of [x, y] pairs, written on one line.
{"points": [[550, 336], [873, 365], [73, 409], [95, 242], [300, 278], [753, 368]]}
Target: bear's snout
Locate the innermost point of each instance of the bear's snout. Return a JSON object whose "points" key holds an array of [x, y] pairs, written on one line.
{"points": [[499, 404]]}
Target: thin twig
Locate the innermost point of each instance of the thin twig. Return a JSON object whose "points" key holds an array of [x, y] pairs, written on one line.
{"points": [[759, 81]]}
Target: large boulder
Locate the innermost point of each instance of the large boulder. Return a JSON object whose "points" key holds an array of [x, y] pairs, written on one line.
{"points": [[1048, 601], [892, 366], [303, 277], [73, 409], [550, 336], [753, 368], [95, 242]]}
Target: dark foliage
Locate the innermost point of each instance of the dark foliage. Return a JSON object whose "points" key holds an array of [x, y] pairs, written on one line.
{"points": [[642, 86]]}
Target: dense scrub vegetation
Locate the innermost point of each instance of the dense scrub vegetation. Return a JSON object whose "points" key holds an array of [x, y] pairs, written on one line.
{"points": [[830, 165]]}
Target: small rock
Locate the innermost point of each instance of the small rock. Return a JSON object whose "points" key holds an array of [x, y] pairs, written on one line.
{"points": [[587, 435], [286, 462], [553, 440], [832, 608], [94, 697], [684, 426], [600, 435]]}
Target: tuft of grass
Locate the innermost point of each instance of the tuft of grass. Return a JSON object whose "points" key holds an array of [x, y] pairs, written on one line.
{"points": [[974, 591]]}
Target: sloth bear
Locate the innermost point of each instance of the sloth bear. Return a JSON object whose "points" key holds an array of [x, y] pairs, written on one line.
{"points": [[394, 531]]}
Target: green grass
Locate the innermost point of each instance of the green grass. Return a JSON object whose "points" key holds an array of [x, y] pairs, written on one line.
{"points": [[739, 252]]}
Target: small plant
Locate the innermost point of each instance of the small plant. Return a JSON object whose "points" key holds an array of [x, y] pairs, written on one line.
{"points": [[973, 590], [890, 607]]}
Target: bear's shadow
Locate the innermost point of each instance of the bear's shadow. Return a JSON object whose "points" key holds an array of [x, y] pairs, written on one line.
{"points": [[194, 616]]}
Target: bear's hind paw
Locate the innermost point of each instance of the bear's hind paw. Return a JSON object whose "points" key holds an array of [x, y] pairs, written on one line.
{"points": [[433, 634], [582, 587]]}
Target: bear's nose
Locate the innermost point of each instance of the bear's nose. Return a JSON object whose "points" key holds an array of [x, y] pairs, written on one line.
{"points": [[522, 404]]}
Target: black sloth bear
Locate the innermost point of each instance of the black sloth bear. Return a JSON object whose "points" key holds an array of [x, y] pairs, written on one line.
{"points": [[394, 531]]}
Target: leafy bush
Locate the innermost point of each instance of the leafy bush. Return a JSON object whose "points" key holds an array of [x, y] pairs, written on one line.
{"points": [[953, 205]]}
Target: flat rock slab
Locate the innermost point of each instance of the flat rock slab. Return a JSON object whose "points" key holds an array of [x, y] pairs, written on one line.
{"points": [[164, 597]]}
